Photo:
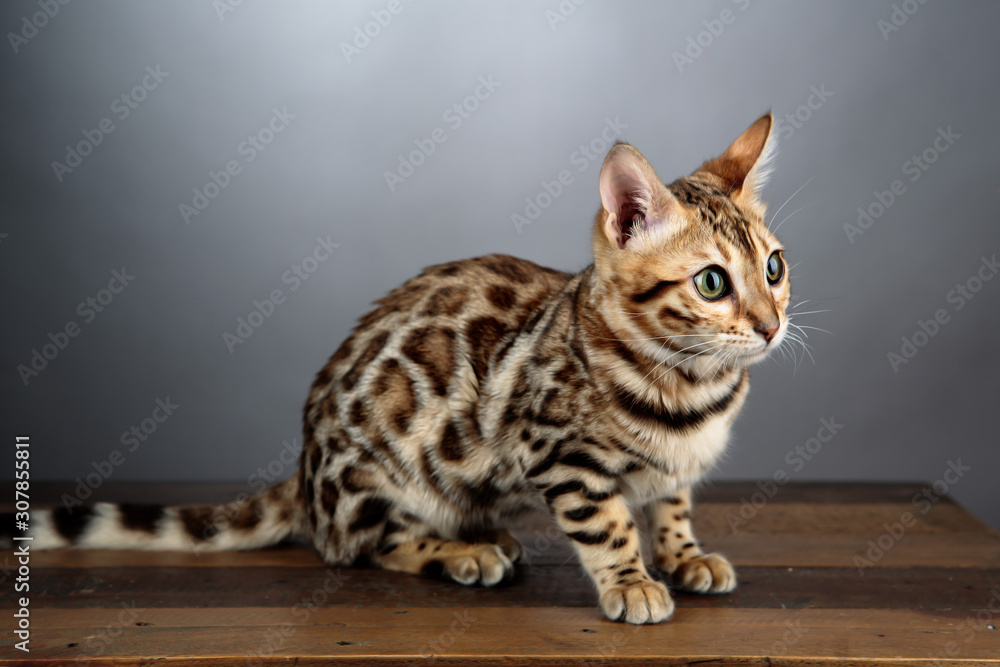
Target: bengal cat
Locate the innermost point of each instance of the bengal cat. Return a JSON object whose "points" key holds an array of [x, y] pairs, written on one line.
{"points": [[486, 387]]}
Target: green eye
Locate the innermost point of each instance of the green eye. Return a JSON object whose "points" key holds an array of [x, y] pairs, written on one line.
{"points": [[775, 268], [711, 283]]}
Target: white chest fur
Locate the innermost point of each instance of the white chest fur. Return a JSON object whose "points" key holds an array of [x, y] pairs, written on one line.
{"points": [[687, 457]]}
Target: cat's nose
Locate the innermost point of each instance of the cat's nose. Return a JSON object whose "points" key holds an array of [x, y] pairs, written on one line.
{"points": [[767, 329]]}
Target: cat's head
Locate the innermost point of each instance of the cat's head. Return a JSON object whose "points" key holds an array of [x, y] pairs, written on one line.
{"points": [[688, 272]]}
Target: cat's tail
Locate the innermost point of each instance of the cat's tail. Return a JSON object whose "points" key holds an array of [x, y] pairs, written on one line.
{"points": [[246, 523]]}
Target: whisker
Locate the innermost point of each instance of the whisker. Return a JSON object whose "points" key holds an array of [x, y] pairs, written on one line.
{"points": [[726, 358], [803, 326], [820, 300], [635, 340], [792, 324], [788, 200], [715, 362], [781, 348], [706, 342], [662, 363], [788, 217], [795, 357], [805, 346], [683, 360], [655, 366], [810, 312]]}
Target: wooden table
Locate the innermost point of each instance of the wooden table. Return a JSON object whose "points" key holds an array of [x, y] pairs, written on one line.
{"points": [[826, 577]]}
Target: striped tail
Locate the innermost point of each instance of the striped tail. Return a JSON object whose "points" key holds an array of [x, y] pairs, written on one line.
{"points": [[251, 523]]}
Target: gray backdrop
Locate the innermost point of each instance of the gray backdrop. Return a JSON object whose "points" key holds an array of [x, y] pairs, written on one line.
{"points": [[309, 113]]}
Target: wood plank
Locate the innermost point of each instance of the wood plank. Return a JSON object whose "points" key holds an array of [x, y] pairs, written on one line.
{"points": [[534, 586], [469, 636], [282, 556], [796, 561], [731, 491], [752, 549], [796, 550], [831, 518]]}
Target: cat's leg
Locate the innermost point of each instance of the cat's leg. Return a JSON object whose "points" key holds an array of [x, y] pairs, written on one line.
{"points": [[600, 526], [415, 549], [359, 520], [677, 552]]}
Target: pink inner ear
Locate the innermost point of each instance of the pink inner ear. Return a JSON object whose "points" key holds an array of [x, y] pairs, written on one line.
{"points": [[625, 192], [613, 231], [617, 186], [620, 227]]}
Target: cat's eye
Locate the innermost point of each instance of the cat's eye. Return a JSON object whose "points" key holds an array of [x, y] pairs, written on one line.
{"points": [[775, 268], [712, 283]]}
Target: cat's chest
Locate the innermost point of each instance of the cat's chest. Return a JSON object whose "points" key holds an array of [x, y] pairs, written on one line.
{"points": [[683, 460], [681, 442]]}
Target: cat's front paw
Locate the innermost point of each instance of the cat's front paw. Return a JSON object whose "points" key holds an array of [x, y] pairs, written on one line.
{"points": [[510, 546], [475, 564], [706, 573], [639, 602]]}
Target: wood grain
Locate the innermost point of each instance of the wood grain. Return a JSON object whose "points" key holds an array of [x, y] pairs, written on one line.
{"points": [[533, 586], [930, 595], [556, 635]]}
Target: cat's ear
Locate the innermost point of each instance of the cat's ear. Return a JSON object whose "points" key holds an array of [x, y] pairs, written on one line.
{"points": [[746, 164], [633, 196]]}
